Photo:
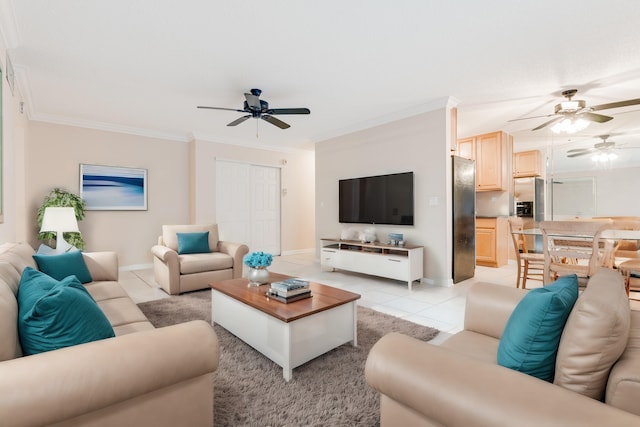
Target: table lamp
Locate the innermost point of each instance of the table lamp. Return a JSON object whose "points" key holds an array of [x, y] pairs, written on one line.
{"points": [[59, 220]]}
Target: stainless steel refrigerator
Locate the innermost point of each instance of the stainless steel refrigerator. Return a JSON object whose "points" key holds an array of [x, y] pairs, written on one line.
{"points": [[464, 218]]}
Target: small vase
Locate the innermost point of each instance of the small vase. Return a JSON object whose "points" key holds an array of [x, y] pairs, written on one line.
{"points": [[258, 276]]}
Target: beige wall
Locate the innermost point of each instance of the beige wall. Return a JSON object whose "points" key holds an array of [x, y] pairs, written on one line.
{"points": [[420, 144], [297, 178], [54, 154], [181, 185], [14, 129]]}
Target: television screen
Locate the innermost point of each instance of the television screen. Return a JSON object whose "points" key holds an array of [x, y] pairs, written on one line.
{"points": [[382, 199]]}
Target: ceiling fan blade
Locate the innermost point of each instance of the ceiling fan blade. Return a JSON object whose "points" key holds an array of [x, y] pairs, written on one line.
{"points": [[579, 153], [616, 104], [550, 122], [274, 121], [579, 150], [236, 122], [531, 117], [253, 101], [593, 117], [289, 111], [220, 108]]}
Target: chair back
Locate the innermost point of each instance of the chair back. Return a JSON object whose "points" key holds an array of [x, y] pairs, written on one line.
{"points": [[573, 247], [516, 226]]}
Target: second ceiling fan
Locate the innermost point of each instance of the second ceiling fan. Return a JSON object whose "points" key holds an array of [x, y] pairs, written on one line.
{"points": [[578, 109]]}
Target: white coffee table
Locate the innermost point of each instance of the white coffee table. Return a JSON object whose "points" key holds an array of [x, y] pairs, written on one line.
{"points": [[288, 334]]}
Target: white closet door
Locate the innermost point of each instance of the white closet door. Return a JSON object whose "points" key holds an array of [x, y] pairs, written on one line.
{"points": [[248, 205]]}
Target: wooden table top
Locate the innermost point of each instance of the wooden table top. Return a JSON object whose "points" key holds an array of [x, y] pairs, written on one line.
{"points": [[323, 297]]}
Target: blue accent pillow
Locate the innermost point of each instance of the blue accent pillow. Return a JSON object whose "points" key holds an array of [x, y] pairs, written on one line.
{"points": [[193, 243], [62, 265], [55, 314], [530, 340]]}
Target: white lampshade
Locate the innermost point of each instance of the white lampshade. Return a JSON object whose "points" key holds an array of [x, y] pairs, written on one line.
{"points": [[59, 220]]}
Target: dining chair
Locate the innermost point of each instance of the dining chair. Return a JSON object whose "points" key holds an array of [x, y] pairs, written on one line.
{"points": [[530, 265], [574, 247], [627, 250]]}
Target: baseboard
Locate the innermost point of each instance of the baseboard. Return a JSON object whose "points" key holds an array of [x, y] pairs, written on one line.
{"points": [[298, 251], [136, 267]]}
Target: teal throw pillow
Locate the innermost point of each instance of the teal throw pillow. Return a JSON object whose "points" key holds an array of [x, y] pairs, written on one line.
{"points": [[193, 243], [530, 340], [55, 314], [62, 265]]}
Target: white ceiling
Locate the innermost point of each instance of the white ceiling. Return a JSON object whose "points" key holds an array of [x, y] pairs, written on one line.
{"points": [[144, 66]]}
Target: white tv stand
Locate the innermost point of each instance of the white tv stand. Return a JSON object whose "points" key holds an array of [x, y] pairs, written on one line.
{"points": [[378, 259]]}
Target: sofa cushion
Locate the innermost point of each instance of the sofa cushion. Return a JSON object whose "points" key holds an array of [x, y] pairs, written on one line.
{"points": [[595, 335], [197, 263], [9, 340], [54, 314], [62, 265], [193, 243], [18, 255], [530, 340], [170, 237]]}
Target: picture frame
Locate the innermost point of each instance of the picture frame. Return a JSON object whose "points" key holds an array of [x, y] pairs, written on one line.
{"points": [[113, 188]]}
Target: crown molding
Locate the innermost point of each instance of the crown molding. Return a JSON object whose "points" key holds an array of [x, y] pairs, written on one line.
{"points": [[110, 127]]}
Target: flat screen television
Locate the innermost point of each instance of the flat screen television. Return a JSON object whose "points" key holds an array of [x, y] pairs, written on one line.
{"points": [[381, 199]]}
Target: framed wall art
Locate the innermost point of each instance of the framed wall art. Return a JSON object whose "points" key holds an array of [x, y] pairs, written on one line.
{"points": [[113, 188]]}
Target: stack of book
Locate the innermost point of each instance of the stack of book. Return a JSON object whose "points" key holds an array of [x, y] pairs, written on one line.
{"points": [[289, 290]]}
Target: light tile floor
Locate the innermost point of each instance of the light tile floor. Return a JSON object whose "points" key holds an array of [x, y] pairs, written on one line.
{"points": [[435, 306]]}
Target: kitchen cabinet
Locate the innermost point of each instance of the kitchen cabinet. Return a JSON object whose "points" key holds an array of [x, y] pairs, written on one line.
{"points": [[492, 238], [526, 163], [492, 153]]}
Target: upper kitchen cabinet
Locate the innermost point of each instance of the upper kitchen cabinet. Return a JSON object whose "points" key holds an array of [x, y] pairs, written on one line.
{"points": [[492, 153], [526, 163]]}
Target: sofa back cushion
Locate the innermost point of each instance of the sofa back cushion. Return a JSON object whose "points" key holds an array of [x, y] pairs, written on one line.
{"points": [[170, 234], [595, 335], [19, 255], [9, 340]]}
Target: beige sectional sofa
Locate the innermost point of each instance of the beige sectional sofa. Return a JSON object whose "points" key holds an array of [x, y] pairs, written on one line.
{"points": [[459, 382], [143, 377]]}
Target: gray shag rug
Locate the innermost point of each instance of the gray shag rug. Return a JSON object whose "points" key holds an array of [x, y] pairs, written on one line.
{"points": [[249, 388]]}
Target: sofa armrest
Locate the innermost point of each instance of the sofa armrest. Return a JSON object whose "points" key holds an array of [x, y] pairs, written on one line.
{"points": [[62, 384], [237, 251], [102, 265], [451, 389], [489, 306]]}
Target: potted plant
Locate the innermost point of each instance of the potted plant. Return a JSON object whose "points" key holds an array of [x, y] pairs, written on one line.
{"points": [[62, 198]]}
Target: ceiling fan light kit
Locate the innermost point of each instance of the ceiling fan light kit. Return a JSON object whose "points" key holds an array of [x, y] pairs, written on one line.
{"points": [[569, 125]]}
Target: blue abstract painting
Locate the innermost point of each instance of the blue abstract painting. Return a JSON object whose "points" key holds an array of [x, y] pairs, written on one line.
{"points": [[113, 188]]}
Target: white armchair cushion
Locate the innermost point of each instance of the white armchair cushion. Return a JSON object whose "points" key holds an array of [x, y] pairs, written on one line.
{"points": [[197, 263]]}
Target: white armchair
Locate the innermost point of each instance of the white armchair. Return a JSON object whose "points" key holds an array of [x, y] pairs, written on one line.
{"points": [[178, 272]]}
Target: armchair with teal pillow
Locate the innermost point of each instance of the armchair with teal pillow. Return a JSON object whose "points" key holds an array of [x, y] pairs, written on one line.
{"points": [[190, 257]]}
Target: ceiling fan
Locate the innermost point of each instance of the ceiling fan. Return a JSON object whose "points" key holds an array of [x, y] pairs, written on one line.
{"points": [[604, 147], [578, 109], [259, 109]]}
